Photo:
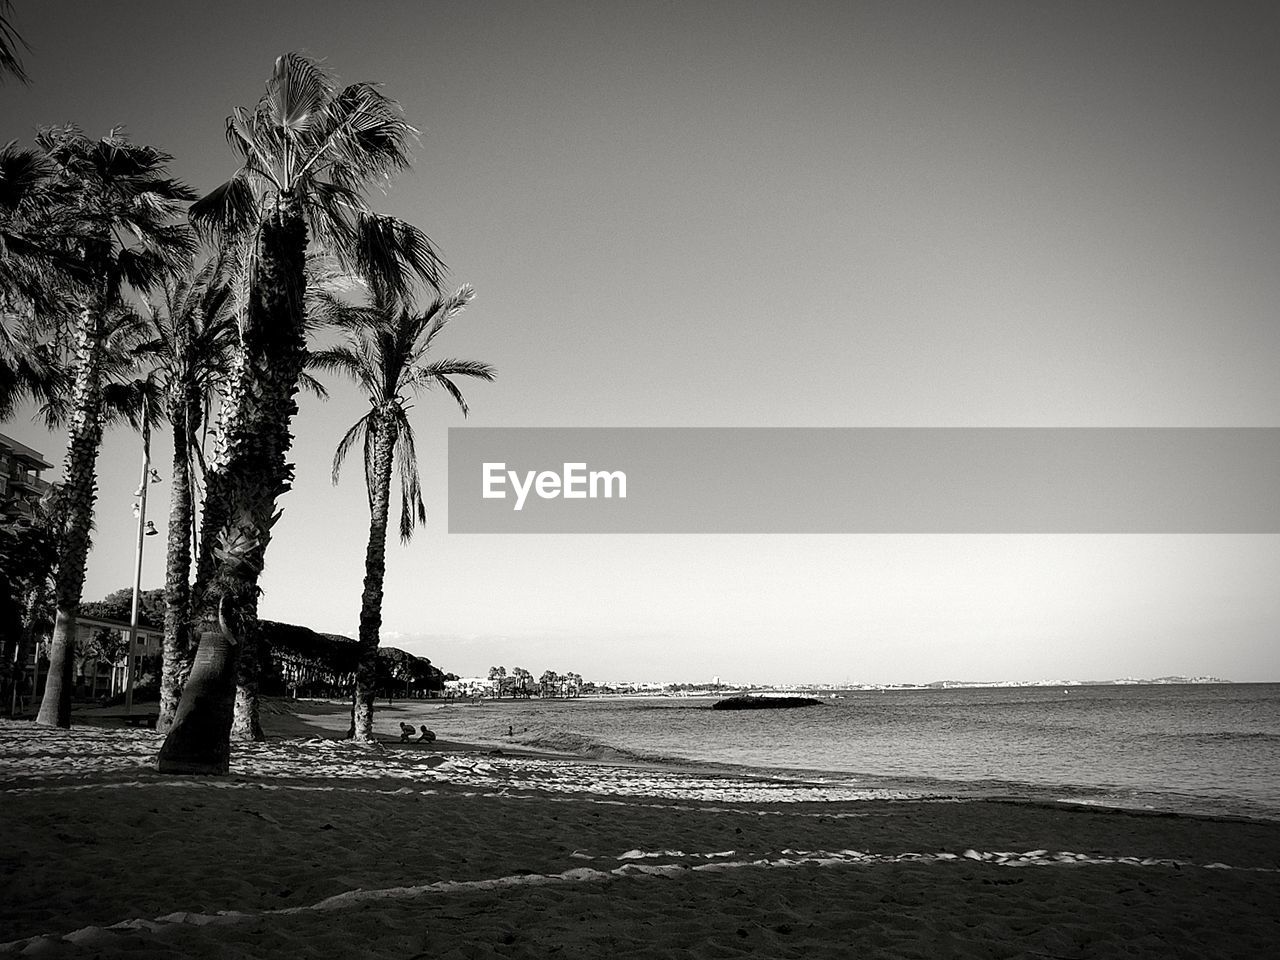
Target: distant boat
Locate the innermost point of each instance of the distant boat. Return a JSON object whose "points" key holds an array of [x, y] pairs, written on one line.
{"points": [[764, 703]]}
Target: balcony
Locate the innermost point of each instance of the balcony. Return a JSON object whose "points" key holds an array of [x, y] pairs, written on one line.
{"points": [[25, 483]]}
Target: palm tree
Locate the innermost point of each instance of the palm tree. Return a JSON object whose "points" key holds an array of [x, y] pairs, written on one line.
{"points": [[386, 353], [498, 676], [192, 337], [547, 682], [123, 207], [522, 680], [308, 152]]}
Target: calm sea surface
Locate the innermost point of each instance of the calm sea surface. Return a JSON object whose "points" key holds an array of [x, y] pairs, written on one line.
{"points": [[1191, 748]]}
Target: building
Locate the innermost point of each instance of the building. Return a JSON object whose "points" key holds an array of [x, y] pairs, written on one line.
{"points": [[93, 676], [475, 687], [20, 481]]}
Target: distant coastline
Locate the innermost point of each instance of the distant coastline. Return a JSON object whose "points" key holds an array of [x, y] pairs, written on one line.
{"points": [[721, 689]]}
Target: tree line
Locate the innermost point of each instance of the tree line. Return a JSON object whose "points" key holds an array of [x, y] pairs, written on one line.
{"points": [[127, 296], [520, 683]]}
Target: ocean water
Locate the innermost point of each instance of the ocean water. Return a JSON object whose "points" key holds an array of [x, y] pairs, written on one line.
{"points": [[1199, 748]]}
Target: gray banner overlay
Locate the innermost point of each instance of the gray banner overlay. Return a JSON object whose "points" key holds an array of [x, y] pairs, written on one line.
{"points": [[864, 480]]}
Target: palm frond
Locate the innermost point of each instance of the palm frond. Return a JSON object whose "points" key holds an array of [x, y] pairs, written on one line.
{"points": [[452, 389], [363, 134], [342, 359], [411, 506], [129, 401], [462, 368], [313, 386], [297, 93], [327, 309], [359, 431], [22, 172], [390, 252], [245, 137], [439, 372], [228, 209], [370, 441], [140, 268], [10, 41], [29, 368], [445, 309]]}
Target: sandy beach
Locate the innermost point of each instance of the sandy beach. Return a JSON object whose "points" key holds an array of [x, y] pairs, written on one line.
{"points": [[313, 847]]}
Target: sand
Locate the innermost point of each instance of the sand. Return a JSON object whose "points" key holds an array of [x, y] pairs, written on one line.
{"points": [[315, 848]]}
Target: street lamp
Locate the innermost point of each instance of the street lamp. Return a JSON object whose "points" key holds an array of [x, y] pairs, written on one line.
{"points": [[145, 529]]}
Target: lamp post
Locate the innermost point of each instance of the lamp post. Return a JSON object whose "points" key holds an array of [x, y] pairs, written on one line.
{"points": [[145, 529]]}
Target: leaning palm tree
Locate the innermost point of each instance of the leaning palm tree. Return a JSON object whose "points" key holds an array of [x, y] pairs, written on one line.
{"points": [[386, 353], [308, 152], [124, 208], [192, 335]]}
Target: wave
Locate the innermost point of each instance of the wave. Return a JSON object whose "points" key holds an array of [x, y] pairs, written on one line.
{"points": [[565, 741], [1252, 735]]}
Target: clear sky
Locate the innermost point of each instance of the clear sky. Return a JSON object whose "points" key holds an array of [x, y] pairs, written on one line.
{"points": [[747, 214]]}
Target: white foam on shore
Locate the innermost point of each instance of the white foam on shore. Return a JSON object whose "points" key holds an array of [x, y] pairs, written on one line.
{"points": [[678, 863], [30, 753]]}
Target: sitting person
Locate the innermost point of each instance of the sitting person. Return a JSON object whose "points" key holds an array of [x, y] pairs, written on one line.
{"points": [[406, 731], [428, 736]]}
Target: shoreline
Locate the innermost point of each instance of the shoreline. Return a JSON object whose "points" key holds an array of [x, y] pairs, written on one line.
{"points": [[317, 846], [286, 718], [312, 715]]}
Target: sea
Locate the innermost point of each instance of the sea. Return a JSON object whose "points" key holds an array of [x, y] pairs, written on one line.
{"points": [[1209, 749]]}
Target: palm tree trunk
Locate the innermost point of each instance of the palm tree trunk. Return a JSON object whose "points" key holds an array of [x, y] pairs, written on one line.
{"points": [[242, 494], [80, 490], [33, 614], [177, 592], [11, 631], [197, 741], [245, 723], [375, 569]]}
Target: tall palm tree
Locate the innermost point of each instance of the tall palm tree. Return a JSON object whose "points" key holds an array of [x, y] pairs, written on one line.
{"points": [[323, 279], [308, 151], [386, 354], [192, 335], [124, 208]]}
